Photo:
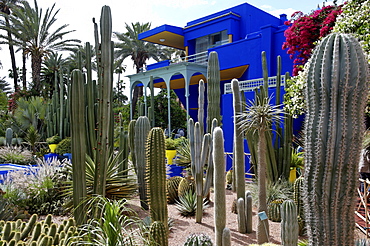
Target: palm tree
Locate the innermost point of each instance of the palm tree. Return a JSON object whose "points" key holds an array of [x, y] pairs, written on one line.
{"points": [[52, 66], [256, 119], [32, 32], [139, 51], [5, 7]]}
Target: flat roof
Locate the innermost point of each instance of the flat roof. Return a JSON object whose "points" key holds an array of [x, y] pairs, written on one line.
{"points": [[167, 35]]}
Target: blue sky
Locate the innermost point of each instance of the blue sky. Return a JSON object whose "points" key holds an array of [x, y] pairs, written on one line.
{"points": [[79, 13]]}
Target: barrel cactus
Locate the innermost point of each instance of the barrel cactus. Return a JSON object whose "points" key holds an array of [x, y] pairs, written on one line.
{"points": [[173, 189], [336, 95], [273, 211]]}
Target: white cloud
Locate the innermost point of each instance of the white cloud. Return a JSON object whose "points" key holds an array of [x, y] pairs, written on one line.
{"points": [[181, 3]]}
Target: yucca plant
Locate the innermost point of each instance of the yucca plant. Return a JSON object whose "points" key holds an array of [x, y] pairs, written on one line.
{"points": [[116, 225], [117, 186], [257, 118]]}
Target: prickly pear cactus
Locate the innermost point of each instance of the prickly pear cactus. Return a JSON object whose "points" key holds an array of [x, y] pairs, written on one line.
{"points": [[336, 95]]}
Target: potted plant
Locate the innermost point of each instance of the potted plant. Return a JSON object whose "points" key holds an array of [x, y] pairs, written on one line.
{"points": [[53, 142], [296, 162], [171, 146]]}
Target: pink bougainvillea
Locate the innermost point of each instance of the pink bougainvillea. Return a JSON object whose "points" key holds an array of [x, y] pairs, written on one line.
{"points": [[305, 30]]}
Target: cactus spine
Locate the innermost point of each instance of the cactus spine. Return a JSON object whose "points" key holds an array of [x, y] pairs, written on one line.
{"points": [[219, 184], [289, 223], [156, 177], [336, 93], [213, 90], [78, 143]]}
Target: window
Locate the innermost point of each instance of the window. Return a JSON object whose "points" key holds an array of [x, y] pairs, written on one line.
{"points": [[215, 39]]}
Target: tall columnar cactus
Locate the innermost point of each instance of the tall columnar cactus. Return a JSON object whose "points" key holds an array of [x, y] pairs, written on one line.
{"points": [[336, 95], [9, 136], [91, 104], [240, 204], [298, 197], [142, 128], [289, 224], [199, 152], [104, 147], [156, 177], [219, 184], [248, 211], [226, 237], [238, 142], [78, 144], [213, 90], [201, 89], [131, 142]]}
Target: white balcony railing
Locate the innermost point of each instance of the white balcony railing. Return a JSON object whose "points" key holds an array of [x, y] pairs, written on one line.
{"points": [[250, 85], [199, 58]]}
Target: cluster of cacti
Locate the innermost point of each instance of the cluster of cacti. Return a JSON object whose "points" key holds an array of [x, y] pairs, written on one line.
{"points": [[104, 124], [198, 240], [273, 210], [199, 153], [219, 184], [289, 223], [336, 95], [173, 189], [58, 117], [33, 233], [156, 178], [278, 153], [142, 128]]}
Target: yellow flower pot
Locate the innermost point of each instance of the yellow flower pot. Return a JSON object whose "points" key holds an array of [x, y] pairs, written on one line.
{"points": [[170, 154], [292, 174], [52, 147]]}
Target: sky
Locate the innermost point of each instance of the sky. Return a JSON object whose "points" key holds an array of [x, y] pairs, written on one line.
{"points": [[78, 15]]}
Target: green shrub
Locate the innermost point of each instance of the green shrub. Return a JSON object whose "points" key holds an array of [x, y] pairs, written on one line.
{"points": [[172, 144], [64, 146], [53, 140]]}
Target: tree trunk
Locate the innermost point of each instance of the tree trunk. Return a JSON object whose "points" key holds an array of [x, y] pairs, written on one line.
{"points": [[137, 93], [36, 69], [262, 226], [24, 71], [12, 55]]}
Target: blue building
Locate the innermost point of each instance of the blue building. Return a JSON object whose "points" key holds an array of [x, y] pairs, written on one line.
{"points": [[238, 34]]}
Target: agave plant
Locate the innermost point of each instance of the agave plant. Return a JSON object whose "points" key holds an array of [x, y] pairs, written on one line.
{"points": [[187, 204]]}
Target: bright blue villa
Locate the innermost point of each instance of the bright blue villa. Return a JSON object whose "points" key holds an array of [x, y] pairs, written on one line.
{"points": [[238, 34]]}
